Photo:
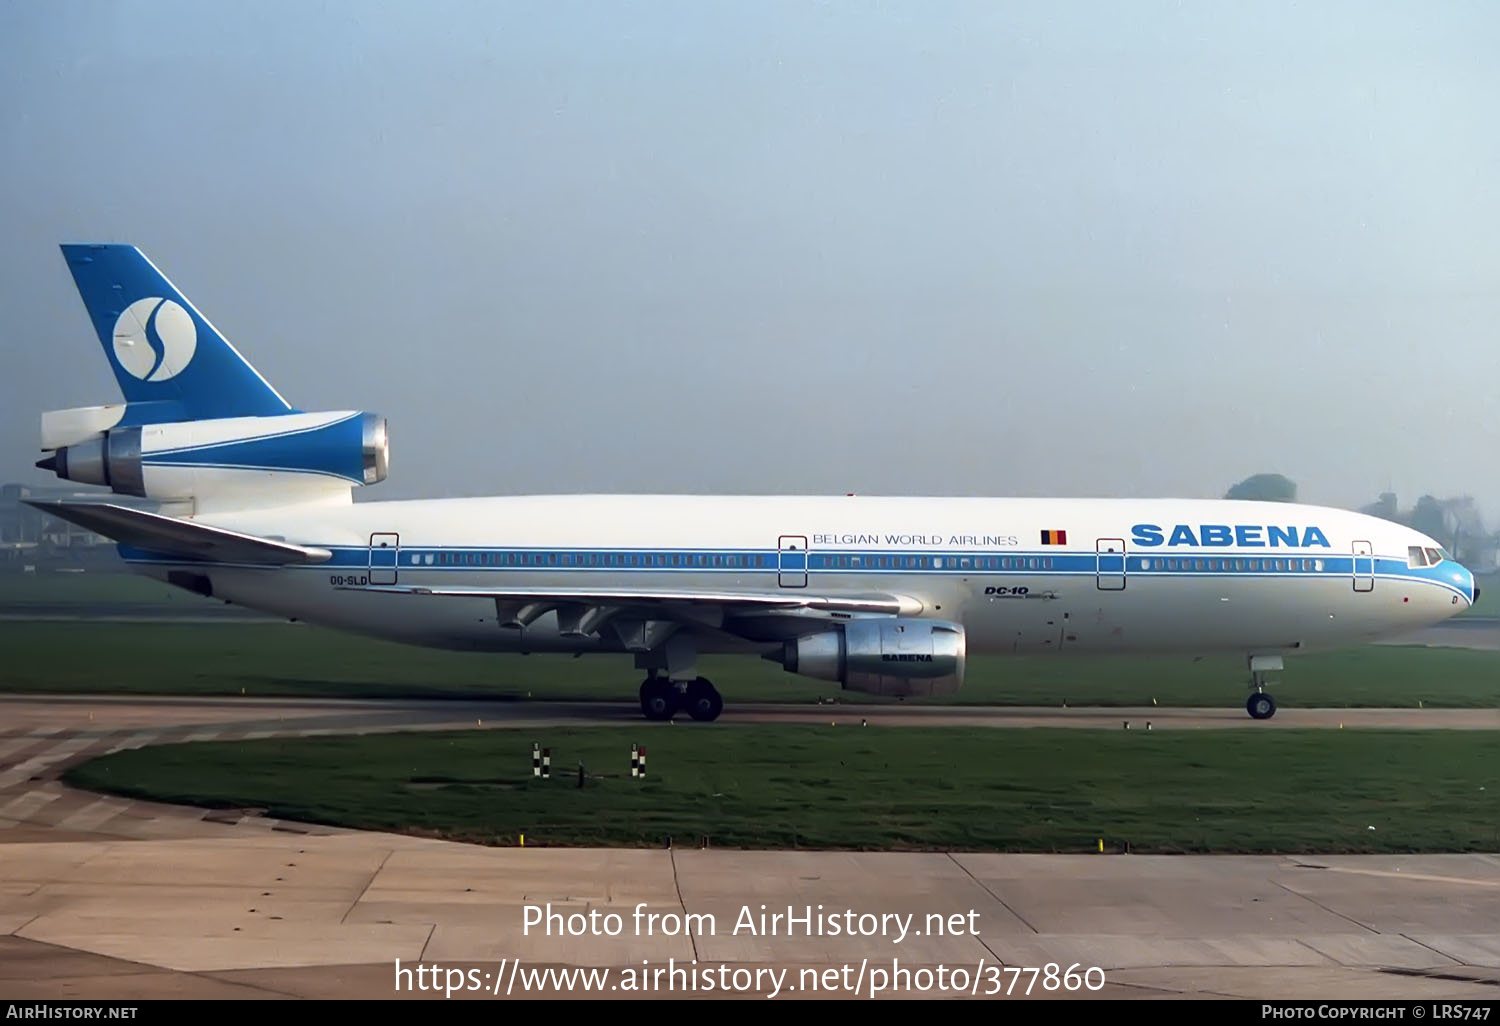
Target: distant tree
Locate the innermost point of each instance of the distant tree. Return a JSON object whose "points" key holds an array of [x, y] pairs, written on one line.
{"points": [[1264, 488], [1429, 516], [1455, 523], [1384, 507], [1465, 531]]}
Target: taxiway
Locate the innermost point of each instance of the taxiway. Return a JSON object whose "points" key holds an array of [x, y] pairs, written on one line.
{"points": [[105, 897]]}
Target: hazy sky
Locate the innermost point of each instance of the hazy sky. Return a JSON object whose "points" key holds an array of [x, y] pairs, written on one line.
{"points": [[909, 248]]}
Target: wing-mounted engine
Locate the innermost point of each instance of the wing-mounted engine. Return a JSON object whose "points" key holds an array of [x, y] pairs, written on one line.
{"points": [[235, 462], [879, 656]]}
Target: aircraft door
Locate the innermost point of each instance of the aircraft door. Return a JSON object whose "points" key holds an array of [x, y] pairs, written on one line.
{"points": [[1364, 567], [791, 561], [385, 552], [1110, 565]]}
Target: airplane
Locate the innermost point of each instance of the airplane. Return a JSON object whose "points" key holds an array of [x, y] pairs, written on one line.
{"points": [[880, 595]]}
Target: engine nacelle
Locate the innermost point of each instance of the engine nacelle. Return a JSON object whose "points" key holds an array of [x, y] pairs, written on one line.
{"points": [[901, 657], [183, 460]]}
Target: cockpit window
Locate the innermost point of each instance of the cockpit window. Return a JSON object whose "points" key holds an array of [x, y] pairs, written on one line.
{"points": [[1417, 556]]}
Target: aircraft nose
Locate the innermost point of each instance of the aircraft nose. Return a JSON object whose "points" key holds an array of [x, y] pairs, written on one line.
{"points": [[1466, 577]]}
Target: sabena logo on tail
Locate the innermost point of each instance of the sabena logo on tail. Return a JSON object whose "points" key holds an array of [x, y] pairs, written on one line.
{"points": [[155, 339]]}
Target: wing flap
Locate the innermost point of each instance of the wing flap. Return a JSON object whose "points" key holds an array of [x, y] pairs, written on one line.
{"points": [[172, 535], [895, 605]]}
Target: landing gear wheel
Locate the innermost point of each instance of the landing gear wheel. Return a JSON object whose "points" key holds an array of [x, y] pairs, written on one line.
{"points": [[1261, 706], [704, 703], [658, 699]]}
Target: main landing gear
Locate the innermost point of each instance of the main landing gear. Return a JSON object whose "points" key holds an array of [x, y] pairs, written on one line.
{"points": [[661, 699]]}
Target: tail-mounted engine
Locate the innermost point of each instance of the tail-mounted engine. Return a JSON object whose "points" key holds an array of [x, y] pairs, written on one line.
{"points": [[898, 657], [267, 456]]}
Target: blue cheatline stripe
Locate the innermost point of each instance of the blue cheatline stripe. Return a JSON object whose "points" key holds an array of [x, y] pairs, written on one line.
{"points": [[737, 561]]}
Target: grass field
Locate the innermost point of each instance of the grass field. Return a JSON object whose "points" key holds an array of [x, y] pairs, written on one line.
{"points": [[871, 788], [50, 588], [276, 659]]}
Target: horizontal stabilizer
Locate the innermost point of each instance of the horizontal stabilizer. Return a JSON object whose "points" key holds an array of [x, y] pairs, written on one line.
{"points": [[142, 529], [891, 604]]}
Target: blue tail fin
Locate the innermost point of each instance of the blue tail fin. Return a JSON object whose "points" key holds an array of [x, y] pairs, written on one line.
{"points": [[170, 362]]}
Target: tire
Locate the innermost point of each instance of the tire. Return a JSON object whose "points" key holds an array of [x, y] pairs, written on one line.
{"points": [[1261, 706], [704, 703], [658, 700]]}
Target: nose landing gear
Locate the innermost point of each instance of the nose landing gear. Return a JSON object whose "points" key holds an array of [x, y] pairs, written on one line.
{"points": [[1260, 705]]}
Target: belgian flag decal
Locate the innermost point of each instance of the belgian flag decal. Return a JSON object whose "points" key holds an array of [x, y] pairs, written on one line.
{"points": [[1054, 537]]}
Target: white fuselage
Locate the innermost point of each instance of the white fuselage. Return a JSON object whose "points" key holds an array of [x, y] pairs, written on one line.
{"points": [[1242, 577]]}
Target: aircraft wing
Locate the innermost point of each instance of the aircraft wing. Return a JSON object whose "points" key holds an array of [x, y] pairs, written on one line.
{"points": [[172, 535], [738, 601]]}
